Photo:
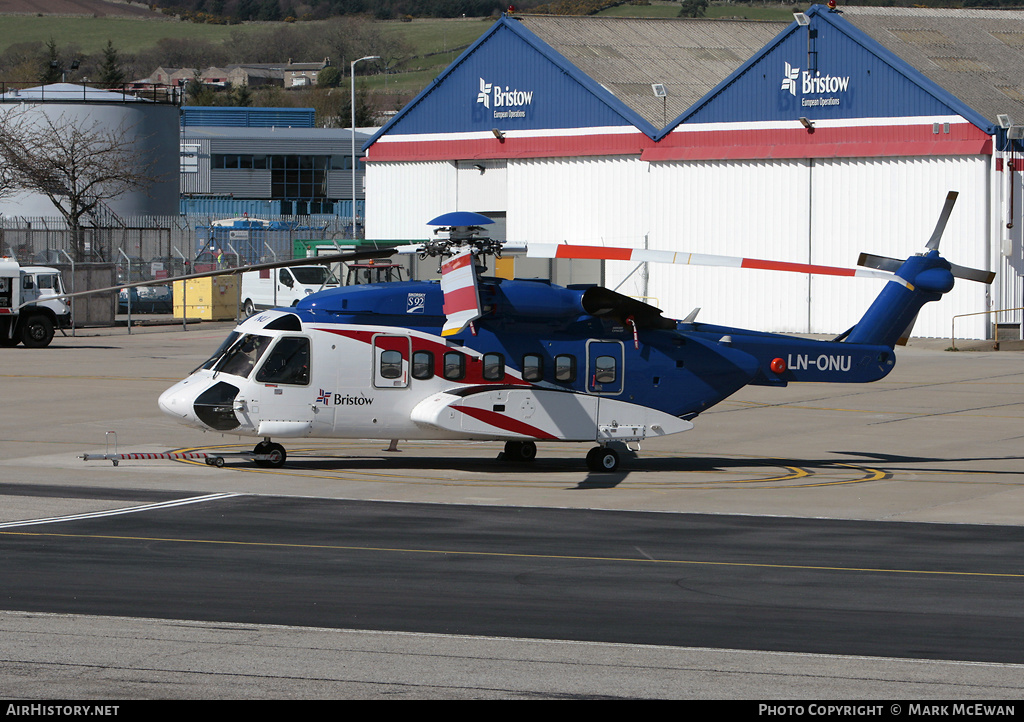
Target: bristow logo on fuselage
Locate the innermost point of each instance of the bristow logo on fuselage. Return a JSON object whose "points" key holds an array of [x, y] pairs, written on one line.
{"points": [[824, 362], [814, 84], [492, 95], [343, 400]]}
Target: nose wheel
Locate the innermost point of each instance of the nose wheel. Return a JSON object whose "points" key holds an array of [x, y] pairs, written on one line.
{"points": [[273, 455]]}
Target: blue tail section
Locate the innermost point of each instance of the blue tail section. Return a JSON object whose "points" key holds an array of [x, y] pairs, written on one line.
{"points": [[893, 312]]}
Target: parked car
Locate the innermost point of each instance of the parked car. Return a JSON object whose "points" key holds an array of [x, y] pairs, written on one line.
{"points": [[146, 299]]}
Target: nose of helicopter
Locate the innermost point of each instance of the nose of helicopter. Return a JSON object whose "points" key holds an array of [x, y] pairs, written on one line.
{"points": [[176, 402]]}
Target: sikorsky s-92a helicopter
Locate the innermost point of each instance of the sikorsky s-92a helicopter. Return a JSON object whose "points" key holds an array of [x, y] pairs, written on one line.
{"points": [[522, 361]]}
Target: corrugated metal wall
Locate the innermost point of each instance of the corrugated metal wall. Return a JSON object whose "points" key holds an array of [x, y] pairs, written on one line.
{"points": [[749, 209], [402, 197], [824, 211], [578, 200], [889, 207]]}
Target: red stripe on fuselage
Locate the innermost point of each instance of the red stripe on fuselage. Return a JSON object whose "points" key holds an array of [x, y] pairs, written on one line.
{"points": [[492, 418]]}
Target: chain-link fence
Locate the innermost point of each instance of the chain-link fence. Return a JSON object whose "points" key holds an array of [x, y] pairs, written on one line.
{"points": [[160, 246]]}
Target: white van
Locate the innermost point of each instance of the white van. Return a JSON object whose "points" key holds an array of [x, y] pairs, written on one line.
{"points": [[273, 288]]}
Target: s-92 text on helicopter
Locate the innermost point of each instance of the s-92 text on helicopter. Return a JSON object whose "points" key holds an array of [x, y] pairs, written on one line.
{"points": [[523, 361]]}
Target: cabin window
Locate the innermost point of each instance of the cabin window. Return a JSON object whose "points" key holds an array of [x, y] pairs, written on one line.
{"points": [[288, 363], [494, 367], [533, 367], [605, 371], [454, 366], [565, 368], [390, 364], [423, 365]]}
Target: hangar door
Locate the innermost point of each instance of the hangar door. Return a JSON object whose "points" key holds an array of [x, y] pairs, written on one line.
{"points": [[822, 211]]}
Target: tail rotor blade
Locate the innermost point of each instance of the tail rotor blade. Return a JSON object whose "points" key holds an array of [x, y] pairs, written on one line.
{"points": [[905, 336], [881, 263], [947, 208], [972, 274]]}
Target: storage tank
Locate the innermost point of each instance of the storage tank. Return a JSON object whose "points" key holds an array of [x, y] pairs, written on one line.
{"points": [[153, 123]]}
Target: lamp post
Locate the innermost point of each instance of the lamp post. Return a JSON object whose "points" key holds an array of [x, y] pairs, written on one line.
{"points": [[352, 77]]}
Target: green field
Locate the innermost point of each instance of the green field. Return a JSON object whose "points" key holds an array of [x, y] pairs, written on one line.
{"points": [[425, 36], [129, 35], [90, 35], [434, 43]]}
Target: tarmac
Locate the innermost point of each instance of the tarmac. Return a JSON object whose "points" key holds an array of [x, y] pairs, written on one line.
{"points": [[940, 440]]}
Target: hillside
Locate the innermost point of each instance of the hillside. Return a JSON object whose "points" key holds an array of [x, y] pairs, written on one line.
{"points": [[90, 8]]}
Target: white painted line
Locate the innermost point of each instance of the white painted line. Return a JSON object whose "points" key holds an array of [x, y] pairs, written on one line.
{"points": [[115, 512]]}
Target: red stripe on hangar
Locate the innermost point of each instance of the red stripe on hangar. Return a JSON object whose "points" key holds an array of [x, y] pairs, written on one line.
{"points": [[824, 141], [631, 143]]}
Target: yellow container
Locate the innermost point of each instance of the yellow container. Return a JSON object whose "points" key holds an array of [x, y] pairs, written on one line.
{"points": [[209, 299]]}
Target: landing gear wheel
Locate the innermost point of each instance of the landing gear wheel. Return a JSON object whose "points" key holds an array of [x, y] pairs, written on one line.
{"points": [[276, 453], [520, 450], [601, 458], [37, 332]]}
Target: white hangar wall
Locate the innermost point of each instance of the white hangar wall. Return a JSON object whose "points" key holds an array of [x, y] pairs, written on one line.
{"points": [[402, 196], [822, 211]]}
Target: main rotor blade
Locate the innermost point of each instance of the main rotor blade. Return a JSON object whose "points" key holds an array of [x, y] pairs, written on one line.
{"points": [[639, 255], [314, 261], [947, 208]]}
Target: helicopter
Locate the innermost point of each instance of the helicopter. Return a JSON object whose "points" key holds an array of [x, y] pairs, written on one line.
{"points": [[474, 357]]}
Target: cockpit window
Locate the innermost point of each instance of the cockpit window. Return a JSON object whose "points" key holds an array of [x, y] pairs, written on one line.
{"points": [[288, 363], [241, 358], [232, 337]]}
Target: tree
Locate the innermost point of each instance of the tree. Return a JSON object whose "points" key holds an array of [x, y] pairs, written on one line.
{"points": [[53, 66], [111, 74], [329, 77], [693, 8], [78, 166], [241, 96]]}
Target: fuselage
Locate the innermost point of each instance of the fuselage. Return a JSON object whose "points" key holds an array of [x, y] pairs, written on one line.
{"points": [[543, 362]]}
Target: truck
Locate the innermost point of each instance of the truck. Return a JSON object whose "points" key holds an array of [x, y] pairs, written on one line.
{"points": [[30, 304], [272, 288]]}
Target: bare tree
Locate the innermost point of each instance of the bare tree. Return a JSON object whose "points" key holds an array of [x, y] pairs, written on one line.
{"points": [[77, 164]]}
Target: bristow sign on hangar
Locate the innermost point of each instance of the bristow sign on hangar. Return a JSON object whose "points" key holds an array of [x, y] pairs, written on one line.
{"points": [[810, 83], [507, 103]]}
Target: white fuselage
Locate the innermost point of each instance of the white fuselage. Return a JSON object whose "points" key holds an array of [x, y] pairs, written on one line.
{"points": [[357, 381]]}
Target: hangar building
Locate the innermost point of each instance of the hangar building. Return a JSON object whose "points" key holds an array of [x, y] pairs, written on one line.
{"points": [[808, 142]]}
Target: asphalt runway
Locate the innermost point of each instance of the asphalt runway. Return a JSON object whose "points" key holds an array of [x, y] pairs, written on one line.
{"points": [[817, 541]]}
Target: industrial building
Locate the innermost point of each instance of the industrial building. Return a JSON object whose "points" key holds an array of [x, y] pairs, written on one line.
{"points": [[270, 171], [809, 141]]}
